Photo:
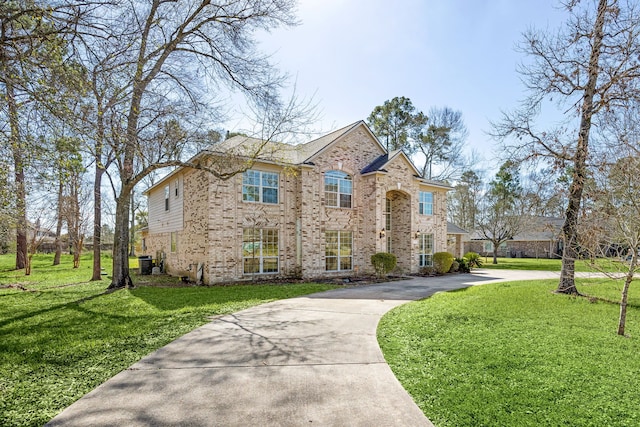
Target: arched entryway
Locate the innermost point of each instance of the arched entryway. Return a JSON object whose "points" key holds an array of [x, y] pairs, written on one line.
{"points": [[397, 215]]}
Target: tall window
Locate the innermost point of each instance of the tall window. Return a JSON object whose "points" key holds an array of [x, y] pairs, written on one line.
{"points": [[166, 198], [176, 185], [258, 186], [338, 188], [387, 223], [259, 250], [425, 205], [338, 250], [174, 241], [425, 250]]}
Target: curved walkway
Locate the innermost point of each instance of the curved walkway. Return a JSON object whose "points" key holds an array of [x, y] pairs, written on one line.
{"points": [[310, 360]]}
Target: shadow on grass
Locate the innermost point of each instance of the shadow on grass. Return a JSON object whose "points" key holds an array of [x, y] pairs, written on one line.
{"points": [[61, 306], [168, 299]]}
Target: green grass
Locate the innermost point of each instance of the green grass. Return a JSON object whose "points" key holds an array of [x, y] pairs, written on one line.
{"points": [[515, 354], [59, 342], [544, 264]]}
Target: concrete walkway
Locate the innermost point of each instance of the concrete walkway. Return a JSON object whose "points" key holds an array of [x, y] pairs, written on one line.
{"points": [[311, 360]]}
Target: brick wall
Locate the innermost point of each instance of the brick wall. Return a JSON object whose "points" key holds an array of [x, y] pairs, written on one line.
{"points": [[215, 215]]}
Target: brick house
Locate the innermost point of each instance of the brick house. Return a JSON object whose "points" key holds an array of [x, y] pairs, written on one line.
{"points": [[541, 238], [319, 209]]}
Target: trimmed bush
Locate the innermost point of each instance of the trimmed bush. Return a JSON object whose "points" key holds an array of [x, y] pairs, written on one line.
{"points": [[474, 259], [442, 262], [455, 265], [383, 263]]}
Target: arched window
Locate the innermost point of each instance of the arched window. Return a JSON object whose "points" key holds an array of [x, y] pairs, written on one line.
{"points": [[338, 188]]}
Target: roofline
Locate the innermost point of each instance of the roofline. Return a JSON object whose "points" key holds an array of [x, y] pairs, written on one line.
{"points": [[346, 132], [433, 183], [165, 178]]}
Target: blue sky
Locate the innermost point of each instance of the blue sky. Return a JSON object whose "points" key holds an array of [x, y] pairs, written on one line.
{"points": [[353, 55]]}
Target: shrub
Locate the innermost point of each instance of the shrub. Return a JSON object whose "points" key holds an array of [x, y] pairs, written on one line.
{"points": [[383, 263], [463, 265], [455, 265], [442, 262], [474, 259]]}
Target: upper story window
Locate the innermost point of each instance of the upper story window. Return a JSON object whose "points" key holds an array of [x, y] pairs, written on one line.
{"points": [[338, 188], [425, 205], [176, 186], [258, 186], [166, 198]]}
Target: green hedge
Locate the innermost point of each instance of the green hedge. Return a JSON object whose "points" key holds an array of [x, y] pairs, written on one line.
{"points": [[442, 262], [383, 263]]}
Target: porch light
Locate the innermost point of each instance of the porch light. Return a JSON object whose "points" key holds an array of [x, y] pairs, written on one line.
{"points": [[382, 233], [418, 234]]}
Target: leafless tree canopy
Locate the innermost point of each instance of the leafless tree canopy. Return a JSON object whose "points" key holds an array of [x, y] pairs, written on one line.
{"points": [[587, 69]]}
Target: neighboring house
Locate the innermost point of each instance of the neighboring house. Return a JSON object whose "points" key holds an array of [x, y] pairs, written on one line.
{"points": [[456, 238], [319, 209], [542, 238], [41, 239]]}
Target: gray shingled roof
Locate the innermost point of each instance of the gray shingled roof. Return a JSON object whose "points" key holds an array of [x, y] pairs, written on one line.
{"points": [[454, 229], [278, 151], [538, 228]]}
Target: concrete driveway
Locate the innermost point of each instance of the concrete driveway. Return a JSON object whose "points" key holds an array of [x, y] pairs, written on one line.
{"points": [[311, 360]]}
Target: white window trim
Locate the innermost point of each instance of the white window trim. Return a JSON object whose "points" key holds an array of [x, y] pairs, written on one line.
{"points": [[260, 256], [261, 187], [338, 193], [422, 205], [422, 250], [339, 257]]}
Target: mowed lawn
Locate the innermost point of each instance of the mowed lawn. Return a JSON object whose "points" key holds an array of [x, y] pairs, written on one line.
{"points": [[515, 354], [61, 336], [543, 264]]}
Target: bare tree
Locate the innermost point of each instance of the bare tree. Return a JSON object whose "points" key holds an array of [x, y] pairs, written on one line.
{"points": [[543, 193], [464, 200], [33, 37], [168, 58], [588, 67], [500, 217], [76, 214], [441, 140]]}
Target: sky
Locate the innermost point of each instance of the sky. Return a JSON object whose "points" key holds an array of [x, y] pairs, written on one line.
{"points": [[352, 55]]}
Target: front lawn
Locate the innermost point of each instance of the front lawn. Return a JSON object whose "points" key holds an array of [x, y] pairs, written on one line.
{"points": [[515, 354], [544, 264], [62, 336]]}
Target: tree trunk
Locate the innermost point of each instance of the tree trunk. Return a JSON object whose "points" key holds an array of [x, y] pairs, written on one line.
{"points": [[74, 221], [18, 162], [495, 253], [132, 227], [27, 265], [625, 293], [97, 222], [567, 283], [58, 242], [121, 278], [78, 250]]}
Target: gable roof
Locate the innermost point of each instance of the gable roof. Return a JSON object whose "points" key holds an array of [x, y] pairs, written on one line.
{"points": [[286, 153], [299, 154], [313, 148], [379, 164]]}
